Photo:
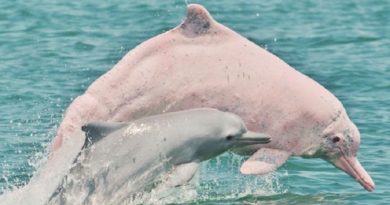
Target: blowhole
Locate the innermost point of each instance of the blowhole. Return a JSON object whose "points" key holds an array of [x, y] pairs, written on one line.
{"points": [[336, 139]]}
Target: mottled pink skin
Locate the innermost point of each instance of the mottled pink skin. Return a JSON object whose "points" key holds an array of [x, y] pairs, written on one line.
{"points": [[201, 63]]}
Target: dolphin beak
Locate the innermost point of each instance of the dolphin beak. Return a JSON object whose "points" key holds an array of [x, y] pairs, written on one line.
{"points": [[352, 166], [252, 138]]}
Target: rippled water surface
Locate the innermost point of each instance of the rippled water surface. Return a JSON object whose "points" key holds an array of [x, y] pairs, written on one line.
{"points": [[50, 51]]}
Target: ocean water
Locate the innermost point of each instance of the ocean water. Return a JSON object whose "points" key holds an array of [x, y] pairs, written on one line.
{"points": [[50, 51]]}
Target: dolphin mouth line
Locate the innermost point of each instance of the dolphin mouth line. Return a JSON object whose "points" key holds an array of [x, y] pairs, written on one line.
{"points": [[253, 138], [367, 185], [254, 141]]}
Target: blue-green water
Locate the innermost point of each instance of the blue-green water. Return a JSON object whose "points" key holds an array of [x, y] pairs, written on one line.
{"points": [[50, 51]]}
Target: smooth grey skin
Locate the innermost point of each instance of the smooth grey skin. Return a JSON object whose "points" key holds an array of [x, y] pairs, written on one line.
{"points": [[119, 160]]}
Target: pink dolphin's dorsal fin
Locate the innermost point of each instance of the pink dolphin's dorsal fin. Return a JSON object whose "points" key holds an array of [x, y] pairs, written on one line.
{"points": [[197, 22]]}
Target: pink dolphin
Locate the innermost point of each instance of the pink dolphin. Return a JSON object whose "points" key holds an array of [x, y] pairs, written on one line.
{"points": [[202, 63]]}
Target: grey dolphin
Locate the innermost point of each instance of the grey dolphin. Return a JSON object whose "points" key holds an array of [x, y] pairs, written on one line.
{"points": [[119, 160]]}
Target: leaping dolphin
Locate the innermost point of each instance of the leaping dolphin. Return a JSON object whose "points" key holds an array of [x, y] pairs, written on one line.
{"points": [[202, 63], [121, 159]]}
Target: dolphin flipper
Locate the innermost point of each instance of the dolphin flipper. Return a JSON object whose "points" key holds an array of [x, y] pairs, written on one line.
{"points": [[95, 131], [263, 161], [181, 174]]}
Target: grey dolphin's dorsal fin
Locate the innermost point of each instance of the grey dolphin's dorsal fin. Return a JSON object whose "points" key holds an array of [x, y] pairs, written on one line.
{"points": [[197, 22], [95, 131]]}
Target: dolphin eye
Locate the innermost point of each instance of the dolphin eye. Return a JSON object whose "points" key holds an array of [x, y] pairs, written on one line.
{"points": [[230, 137], [336, 139]]}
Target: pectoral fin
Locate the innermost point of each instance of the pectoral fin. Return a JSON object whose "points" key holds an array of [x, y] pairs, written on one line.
{"points": [[263, 161], [181, 174]]}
